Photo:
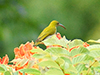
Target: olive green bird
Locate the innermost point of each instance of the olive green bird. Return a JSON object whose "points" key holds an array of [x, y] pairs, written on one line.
{"points": [[48, 31]]}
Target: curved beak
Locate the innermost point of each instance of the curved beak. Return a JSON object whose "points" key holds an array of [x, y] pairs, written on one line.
{"points": [[61, 25]]}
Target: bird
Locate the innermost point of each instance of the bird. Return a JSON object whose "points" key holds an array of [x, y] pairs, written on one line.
{"points": [[48, 31]]}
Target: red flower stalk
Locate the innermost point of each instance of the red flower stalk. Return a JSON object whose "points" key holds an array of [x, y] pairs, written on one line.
{"points": [[84, 44], [58, 36]]}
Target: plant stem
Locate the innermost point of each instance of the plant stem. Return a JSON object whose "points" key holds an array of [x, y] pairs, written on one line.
{"points": [[90, 67]]}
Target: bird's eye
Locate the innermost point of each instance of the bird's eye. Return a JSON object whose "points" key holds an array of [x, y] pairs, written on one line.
{"points": [[57, 23]]}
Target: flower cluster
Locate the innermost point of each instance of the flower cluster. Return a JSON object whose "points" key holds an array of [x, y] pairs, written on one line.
{"points": [[23, 56]]}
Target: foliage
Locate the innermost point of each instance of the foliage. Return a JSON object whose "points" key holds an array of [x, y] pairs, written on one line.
{"points": [[61, 57], [23, 20]]}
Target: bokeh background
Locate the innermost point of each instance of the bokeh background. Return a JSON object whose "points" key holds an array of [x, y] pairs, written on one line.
{"points": [[23, 20]]}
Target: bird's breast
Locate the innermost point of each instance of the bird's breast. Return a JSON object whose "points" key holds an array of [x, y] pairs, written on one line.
{"points": [[49, 36]]}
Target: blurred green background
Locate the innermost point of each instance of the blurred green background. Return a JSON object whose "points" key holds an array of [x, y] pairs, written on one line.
{"points": [[23, 20]]}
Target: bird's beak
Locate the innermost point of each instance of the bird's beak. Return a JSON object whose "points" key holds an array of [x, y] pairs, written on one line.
{"points": [[61, 25]]}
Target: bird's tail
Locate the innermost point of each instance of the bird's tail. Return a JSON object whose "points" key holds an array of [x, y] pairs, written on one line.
{"points": [[34, 45], [37, 43]]}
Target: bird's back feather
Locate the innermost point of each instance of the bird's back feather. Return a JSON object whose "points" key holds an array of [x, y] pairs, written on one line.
{"points": [[45, 33]]}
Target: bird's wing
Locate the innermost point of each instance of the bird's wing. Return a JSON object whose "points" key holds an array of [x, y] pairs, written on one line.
{"points": [[46, 32]]}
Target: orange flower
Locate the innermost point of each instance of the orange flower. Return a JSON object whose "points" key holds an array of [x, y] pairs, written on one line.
{"points": [[23, 52], [4, 60], [22, 73]]}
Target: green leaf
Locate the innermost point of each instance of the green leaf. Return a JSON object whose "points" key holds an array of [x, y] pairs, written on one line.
{"points": [[38, 50], [93, 47], [88, 58], [81, 67], [59, 61], [75, 42], [62, 63], [30, 71], [94, 50], [7, 73], [54, 71], [15, 73], [64, 66], [38, 55], [78, 59], [96, 64], [71, 68], [55, 41], [95, 53], [79, 50], [84, 72], [94, 41], [97, 68], [81, 59], [22, 62], [57, 51], [3, 68], [30, 63], [48, 63], [66, 60]]}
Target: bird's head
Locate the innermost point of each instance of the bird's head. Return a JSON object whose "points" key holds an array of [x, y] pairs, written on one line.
{"points": [[56, 23]]}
